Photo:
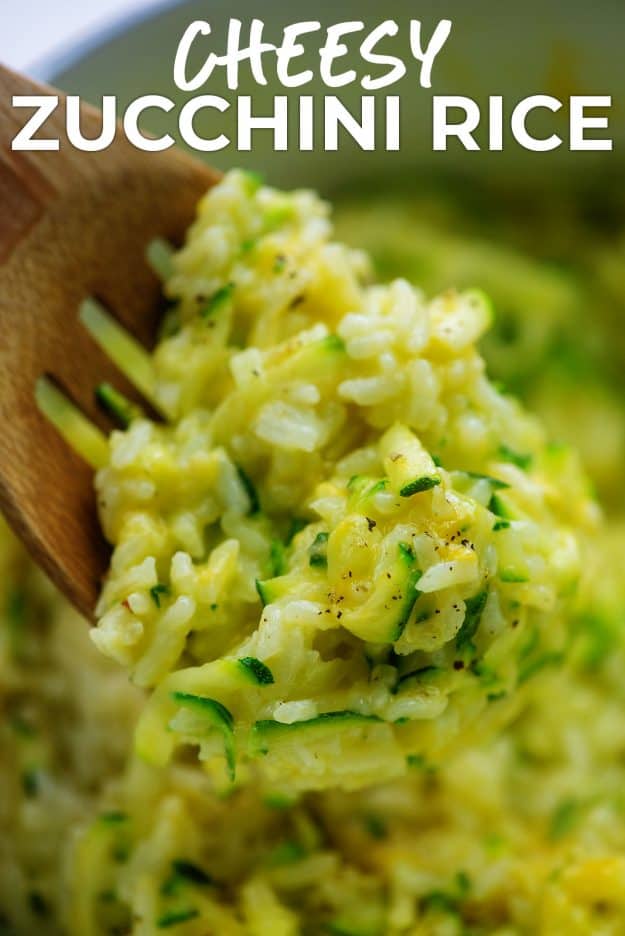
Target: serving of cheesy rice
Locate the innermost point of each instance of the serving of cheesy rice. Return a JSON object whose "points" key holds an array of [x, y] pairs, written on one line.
{"points": [[357, 661]]}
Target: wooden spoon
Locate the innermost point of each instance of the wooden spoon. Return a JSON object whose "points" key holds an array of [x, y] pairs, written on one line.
{"points": [[72, 225]]}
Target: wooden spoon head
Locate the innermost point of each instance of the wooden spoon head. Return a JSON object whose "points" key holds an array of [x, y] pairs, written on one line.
{"points": [[72, 225]]}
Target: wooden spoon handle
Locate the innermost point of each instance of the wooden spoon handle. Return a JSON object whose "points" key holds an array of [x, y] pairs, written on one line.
{"points": [[27, 179], [72, 224], [30, 180]]}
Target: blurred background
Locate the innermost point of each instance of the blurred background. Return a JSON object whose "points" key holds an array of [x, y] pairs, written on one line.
{"points": [[31, 36]]}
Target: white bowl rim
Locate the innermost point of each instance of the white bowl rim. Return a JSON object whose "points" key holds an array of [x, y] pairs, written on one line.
{"points": [[70, 54]]}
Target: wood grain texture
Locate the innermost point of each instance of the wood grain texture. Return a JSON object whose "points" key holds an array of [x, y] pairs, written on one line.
{"points": [[72, 225]]}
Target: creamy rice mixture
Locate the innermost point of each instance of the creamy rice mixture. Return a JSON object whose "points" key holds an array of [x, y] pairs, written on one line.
{"points": [[273, 688]]}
